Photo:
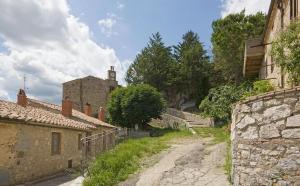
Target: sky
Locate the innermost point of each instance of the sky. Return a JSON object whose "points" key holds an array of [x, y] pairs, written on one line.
{"points": [[54, 41]]}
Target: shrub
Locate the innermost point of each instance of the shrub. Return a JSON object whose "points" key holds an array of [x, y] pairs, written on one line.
{"points": [[262, 86], [219, 100], [286, 51], [135, 105]]}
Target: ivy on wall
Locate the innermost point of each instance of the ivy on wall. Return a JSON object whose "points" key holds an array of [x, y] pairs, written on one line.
{"points": [[286, 52]]}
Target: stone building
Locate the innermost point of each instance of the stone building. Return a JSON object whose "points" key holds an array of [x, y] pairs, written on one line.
{"points": [[258, 61], [91, 90], [39, 139]]}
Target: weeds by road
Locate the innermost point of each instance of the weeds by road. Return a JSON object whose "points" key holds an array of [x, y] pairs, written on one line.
{"points": [[116, 165]]}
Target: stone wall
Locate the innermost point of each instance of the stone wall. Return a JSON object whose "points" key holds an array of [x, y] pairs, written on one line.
{"points": [[265, 136], [25, 150], [190, 117], [92, 90]]}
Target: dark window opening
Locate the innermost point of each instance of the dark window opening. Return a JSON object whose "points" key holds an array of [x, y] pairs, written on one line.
{"points": [[293, 9], [56, 143], [70, 162]]}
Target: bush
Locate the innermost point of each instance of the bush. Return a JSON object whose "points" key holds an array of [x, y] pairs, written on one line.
{"points": [[286, 51], [135, 105], [262, 86], [219, 100]]}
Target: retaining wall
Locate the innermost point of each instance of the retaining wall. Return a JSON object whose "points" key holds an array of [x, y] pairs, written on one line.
{"points": [[265, 134]]}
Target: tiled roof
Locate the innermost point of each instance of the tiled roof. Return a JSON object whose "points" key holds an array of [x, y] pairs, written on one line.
{"points": [[47, 114], [76, 115]]}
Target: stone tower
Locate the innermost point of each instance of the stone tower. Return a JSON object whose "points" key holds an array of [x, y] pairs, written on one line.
{"points": [[91, 90]]}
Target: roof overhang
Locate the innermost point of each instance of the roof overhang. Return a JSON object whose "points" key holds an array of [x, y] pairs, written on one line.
{"points": [[254, 55]]}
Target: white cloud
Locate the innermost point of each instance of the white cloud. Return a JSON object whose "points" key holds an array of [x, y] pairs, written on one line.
{"points": [[107, 25], [250, 6], [51, 46], [120, 5]]}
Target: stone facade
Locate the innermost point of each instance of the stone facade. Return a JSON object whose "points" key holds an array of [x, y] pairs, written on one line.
{"points": [[258, 59], [25, 157], [39, 139], [265, 135], [92, 90]]}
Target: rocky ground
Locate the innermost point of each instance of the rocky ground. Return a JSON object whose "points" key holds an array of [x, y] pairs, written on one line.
{"points": [[191, 163]]}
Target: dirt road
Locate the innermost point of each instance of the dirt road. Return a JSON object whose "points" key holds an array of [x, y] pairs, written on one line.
{"points": [[192, 164]]}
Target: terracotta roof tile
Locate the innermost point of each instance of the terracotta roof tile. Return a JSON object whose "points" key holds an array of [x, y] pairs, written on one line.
{"points": [[76, 115], [13, 111]]}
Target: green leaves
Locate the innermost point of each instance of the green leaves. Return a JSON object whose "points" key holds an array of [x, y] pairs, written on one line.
{"points": [[135, 105], [183, 72], [286, 52], [228, 40]]}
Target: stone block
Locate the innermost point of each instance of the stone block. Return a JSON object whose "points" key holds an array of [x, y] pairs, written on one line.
{"points": [[269, 131], [273, 102], [293, 121], [291, 133], [297, 107], [277, 113], [257, 106], [250, 133], [247, 120], [290, 101]]}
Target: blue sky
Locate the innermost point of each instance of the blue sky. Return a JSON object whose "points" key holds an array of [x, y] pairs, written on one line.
{"points": [[55, 41], [137, 20]]}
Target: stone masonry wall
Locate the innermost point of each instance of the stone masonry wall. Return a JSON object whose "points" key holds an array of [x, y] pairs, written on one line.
{"points": [[92, 90], [265, 136]]}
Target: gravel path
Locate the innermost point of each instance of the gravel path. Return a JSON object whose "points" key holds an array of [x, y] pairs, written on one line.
{"points": [[190, 164]]}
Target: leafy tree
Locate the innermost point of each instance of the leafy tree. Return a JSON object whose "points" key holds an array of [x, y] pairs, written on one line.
{"points": [[286, 52], [135, 105], [228, 40], [152, 66], [193, 66]]}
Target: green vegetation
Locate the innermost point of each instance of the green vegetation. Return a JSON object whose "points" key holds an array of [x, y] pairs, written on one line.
{"points": [[219, 100], [286, 51], [218, 103], [116, 165], [185, 71], [218, 134], [135, 105], [228, 40]]}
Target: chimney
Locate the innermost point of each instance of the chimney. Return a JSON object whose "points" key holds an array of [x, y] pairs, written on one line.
{"points": [[88, 109], [22, 98], [66, 109], [101, 115]]}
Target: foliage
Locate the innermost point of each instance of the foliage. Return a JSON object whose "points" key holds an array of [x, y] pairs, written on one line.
{"points": [[116, 165], [193, 66], [286, 51], [152, 66], [262, 86], [135, 105], [257, 87], [228, 40], [183, 72], [219, 100]]}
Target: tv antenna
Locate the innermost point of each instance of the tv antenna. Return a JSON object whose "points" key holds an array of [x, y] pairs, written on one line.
{"points": [[24, 82]]}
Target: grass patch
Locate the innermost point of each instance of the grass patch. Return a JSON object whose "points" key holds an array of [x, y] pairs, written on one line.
{"points": [[116, 165], [219, 135]]}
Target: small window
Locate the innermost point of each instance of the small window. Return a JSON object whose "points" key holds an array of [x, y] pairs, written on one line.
{"points": [[70, 164], [79, 141], [56, 143]]}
